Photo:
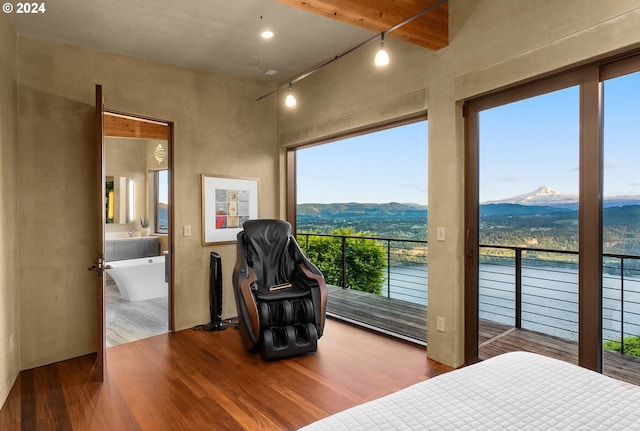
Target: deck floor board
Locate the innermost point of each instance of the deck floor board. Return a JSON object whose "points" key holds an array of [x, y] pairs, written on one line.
{"points": [[409, 321]]}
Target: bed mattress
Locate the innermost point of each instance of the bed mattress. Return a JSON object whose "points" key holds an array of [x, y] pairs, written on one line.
{"points": [[514, 391]]}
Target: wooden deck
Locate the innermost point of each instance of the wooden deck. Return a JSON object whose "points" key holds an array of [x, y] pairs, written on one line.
{"points": [[500, 339], [408, 321], [401, 319]]}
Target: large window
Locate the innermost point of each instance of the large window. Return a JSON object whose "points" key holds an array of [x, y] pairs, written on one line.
{"points": [[361, 217], [528, 226], [621, 224], [569, 249], [161, 179]]}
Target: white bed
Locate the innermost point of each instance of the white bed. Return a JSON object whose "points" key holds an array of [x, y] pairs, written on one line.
{"points": [[514, 391]]}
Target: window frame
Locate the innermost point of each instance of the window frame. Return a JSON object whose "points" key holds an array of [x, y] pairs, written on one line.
{"points": [[291, 214], [156, 203], [590, 80]]}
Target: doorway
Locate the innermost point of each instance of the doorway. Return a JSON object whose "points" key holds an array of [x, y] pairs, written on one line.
{"points": [[528, 225], [534, 273], [138, 228]]}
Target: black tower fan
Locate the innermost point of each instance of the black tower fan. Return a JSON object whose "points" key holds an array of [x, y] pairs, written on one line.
{"points": [[215, 294]]}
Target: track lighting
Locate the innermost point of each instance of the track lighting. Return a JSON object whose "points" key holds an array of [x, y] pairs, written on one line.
{"points": [[382, 58], [290, 100]]}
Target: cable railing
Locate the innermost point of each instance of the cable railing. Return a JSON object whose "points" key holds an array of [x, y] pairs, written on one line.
{"points": [[522, 287], [529, 288], [537, 289], [621, 303], [405, 264]]}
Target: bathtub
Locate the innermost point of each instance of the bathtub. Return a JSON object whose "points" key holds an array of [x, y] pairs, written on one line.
{"points": [[139, 279]]}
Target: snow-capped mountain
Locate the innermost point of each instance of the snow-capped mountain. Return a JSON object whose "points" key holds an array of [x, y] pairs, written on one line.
{"points": [[546, 196], [542, 196]]}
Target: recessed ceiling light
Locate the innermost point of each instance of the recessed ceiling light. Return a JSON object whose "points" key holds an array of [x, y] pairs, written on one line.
{"points": [[270, 72], [267, 34]]}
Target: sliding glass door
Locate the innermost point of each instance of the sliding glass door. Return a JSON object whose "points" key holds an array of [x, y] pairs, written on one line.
{"points": [[528, 225], [621, 221], [533, 188]]}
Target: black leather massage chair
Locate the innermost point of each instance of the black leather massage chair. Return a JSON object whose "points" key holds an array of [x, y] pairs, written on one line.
{"points": [[280, 296]]}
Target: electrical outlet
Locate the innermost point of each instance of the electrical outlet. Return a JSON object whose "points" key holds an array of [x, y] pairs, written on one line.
{"points": [[186, 231], [440, 323], [440, 231]]}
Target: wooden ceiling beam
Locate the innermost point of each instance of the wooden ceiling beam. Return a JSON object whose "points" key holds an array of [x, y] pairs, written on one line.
{"points": [[429, 31], [122, 126]]}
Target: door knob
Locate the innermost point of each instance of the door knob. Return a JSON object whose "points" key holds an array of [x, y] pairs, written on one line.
{"points": [[98, 266]]}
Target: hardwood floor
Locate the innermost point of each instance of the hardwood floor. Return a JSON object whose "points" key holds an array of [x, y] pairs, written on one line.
{"points": [[197, 380]]}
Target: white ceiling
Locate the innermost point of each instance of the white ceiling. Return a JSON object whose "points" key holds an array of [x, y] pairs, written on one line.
{"points": [[220, 36]]}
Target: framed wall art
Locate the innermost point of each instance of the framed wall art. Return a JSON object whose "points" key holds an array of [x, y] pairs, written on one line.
{"points": [[226, 204]]}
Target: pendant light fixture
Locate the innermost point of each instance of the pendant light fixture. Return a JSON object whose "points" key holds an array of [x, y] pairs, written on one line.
{"points": [[159, 153], [382, 58], [290, 100]]}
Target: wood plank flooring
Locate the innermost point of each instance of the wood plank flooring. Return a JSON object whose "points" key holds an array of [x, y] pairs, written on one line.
{"points": [[196, 380]]}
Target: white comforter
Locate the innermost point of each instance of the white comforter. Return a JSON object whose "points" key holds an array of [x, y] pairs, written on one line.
{"points": [[515, 391]]}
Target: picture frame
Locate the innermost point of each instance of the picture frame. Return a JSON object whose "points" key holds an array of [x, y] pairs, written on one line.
{"points": [[227, 202]]}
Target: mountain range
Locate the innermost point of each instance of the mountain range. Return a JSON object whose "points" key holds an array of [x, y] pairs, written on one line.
{"points": [[361, 209], [543, 200], [544, 218]]}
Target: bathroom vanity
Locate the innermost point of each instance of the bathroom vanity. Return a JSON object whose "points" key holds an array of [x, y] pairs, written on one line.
{"points": [[131, 248]]}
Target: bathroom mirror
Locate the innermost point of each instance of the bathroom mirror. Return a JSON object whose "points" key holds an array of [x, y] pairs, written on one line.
{"points": [[129, 165], [119, 199]]}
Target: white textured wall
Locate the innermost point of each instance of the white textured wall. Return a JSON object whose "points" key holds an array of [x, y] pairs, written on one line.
{"points": [[219, 129], [493, 44], [9, 252]]}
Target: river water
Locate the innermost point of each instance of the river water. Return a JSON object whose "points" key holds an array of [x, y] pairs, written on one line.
{"points": [[549, 298]]}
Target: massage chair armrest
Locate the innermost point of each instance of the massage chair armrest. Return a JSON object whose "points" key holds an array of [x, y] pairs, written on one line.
{"points": [[318, 292], [248, 318]]}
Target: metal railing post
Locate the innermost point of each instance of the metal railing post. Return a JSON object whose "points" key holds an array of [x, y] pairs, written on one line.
{"points": [[388, 268], [622, 305], [344, 262], [518, 286]]}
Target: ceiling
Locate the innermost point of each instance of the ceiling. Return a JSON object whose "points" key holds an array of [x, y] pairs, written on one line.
{"points": [[222, 36]]}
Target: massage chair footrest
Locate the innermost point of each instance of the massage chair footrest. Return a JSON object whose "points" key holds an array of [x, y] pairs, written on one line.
{"points": [[286, 341]]}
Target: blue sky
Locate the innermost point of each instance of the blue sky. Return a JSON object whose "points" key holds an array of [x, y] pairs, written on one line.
{"points": [[534, 142], [163, 187], [386, 166], [621, 135], [523, 145], [528, 144]]}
